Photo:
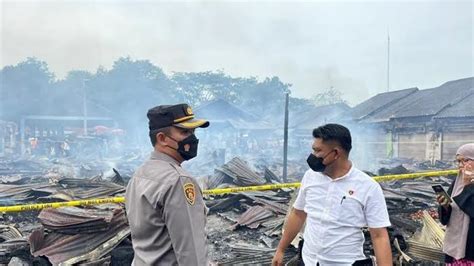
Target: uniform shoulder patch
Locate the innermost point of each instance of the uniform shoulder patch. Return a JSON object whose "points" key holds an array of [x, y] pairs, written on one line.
{"points": [[189, 193]]}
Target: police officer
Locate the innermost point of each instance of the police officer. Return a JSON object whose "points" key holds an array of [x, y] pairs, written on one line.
{"points": [[164, 204]]}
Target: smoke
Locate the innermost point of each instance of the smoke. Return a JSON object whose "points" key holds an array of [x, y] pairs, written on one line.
{"points": [[110, 172], [298, 42]]}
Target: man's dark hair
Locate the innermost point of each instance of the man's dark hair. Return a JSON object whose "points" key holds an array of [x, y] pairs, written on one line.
{"points": [[164, 130], [334, 132]]}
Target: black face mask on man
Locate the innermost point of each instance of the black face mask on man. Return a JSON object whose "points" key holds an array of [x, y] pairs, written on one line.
{"points": [[316, 163], [188, 147]]}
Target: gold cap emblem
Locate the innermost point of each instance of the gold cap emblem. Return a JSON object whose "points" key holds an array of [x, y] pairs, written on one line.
{"points": [[189, 111]]}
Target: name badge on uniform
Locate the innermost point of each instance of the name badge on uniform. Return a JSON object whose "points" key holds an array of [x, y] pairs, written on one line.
{"points": [[189, 193]]}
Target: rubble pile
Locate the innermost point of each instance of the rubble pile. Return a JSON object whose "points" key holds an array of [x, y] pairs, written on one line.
{"points": [[246, 227], [242, 227], [68, 235], [235, 173], [75, 238]]}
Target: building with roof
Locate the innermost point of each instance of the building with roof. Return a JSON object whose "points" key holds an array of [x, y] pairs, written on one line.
{"points": [[222, 114], [425, 125], [62, 116], [302, 124], [232, 130]]}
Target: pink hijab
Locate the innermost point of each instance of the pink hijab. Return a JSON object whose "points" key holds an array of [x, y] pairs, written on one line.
{"points": [[455, 239]]}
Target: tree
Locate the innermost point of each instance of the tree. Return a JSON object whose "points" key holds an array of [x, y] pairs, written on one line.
{"points": [[267, 98], [24, 88], [197, 88], [329, 96], [129, 89]]}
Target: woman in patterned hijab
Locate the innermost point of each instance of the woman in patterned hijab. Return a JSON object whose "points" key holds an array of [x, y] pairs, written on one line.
{"points": [[458, 215]]}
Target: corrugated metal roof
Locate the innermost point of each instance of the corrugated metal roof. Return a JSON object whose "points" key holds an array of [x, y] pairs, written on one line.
{"points": [[425, 102], [73, 220], [260, 125], [63, 189], [309, 119], [61, 247], [391, 111], [379, 101], [241, 173], [464, 108], [254, 216], [222, 110]]}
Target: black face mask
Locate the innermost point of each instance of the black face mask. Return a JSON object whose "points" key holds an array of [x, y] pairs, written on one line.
{"points": [[316, 163], [192, 141]]}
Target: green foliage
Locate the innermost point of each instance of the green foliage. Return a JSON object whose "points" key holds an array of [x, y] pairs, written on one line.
{"points": [[27, 82], [329, 96], [129, 88]]}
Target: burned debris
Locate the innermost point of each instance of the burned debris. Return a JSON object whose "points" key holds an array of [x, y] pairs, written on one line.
{"points": [[243, 227]]}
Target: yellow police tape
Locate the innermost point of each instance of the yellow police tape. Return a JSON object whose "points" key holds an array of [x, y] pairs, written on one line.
{"points": [[31, 207], [219, 191], [414, 175]]}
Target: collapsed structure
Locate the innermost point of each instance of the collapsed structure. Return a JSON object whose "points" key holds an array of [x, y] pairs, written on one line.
{"points": [[399, 132], [242, 227]]}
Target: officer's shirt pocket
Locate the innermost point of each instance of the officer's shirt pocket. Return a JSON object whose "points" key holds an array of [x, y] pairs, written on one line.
{"points": [[348, 210]]}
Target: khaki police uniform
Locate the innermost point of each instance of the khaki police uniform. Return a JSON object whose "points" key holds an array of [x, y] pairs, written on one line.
{"points": [[164, 204], [167, 214]]}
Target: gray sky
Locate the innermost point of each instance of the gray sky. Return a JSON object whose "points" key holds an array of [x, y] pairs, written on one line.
{"points": [[312, 45]]}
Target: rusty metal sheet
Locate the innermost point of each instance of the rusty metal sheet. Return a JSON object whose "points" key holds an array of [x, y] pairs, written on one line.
{"points": [[61, 247]]}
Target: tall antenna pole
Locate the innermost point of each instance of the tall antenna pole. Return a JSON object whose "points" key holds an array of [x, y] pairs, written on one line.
{"points": [[285, 141], [84, 106], [388, 60]]}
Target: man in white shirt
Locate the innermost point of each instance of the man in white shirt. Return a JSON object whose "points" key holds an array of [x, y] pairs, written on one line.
{"points": [[336, 200]]}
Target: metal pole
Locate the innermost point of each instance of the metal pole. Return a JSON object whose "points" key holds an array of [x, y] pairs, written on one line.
{"points": [[84, 105], [388, 62], [22, 136], [285, 141]]}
